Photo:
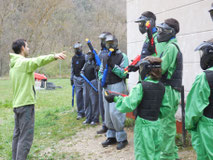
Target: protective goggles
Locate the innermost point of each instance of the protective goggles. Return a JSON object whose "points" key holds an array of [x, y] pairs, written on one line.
{"points": [[163, 27], [142, 19]]}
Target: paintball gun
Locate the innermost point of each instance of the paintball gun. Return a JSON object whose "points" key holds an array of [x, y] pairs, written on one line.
{"points": [[134, 62], [85, 78], [97, 59], [73, 94], [115, 93], [103, 81], [151, 48]]}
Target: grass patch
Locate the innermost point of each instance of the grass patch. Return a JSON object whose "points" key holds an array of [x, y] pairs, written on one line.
{"points": [[55, 120]]}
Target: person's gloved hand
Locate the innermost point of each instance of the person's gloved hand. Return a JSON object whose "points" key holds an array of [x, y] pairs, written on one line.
{"points": [[133, 68], [72, 82], [109, 63], [97, 68], [151, 49], [109, 97]]}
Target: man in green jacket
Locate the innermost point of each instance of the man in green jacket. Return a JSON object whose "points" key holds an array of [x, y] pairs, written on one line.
{"points": [[146, 97], [199, 106], [24, 96], [172, 79]]}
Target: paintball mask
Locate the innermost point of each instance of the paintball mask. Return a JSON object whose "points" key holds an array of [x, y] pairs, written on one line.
{"points": [[102, 37], [165, 32], [142, 23], [206, 54], [77, 48], [145, 67], [90, 56], [111, 42]]}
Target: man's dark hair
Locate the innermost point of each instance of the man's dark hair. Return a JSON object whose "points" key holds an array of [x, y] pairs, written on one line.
{"points": [[17, 45], [149, 14], [173, 23]]}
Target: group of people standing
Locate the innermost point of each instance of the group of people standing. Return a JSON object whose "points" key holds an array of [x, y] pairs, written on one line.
{"points": [[111, 69], [100, 89], [155, 98]]}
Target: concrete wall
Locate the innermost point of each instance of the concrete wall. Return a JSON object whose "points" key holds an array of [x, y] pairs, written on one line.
{"points": [[195, 27]]}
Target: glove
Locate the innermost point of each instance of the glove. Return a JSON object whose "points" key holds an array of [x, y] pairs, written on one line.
{"points": [[109, 63], [71, 81], [133, 68], [151, 49], [97, 68], [109, 97]]}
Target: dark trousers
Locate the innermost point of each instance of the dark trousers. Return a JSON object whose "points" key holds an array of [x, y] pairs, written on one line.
{"points": [[23, 131]]}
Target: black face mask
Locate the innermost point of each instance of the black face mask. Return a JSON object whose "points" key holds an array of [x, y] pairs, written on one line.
{"points": [[165, 32], [90, 57], [142, 27], [145, 67], [206, 57], [206, 60], [78, 51]]}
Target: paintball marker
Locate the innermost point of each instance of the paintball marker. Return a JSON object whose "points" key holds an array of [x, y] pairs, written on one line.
{"points": [[115, 93], [85, 78], [103, 81], [134, 62], [97, 59], [151, 48], [73, 94]]}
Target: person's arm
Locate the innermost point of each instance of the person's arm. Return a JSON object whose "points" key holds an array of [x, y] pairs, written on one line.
{"points": [[197, 101], [83, 68], [119, 70], [72, 72], [33, 63], [169, 58], [101, 71], [130, 103]]}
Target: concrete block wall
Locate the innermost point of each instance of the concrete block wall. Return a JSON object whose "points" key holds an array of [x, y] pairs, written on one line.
{"points": [[195, 27]]}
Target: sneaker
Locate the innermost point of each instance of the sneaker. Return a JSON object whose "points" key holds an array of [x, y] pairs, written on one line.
{"points": [[109, 141], [79, 117], [122, 144], [86, 122], [94, 123], [102, 130]]}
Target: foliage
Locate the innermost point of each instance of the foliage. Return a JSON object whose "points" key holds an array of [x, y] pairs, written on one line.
{"points": [[55, 25]]}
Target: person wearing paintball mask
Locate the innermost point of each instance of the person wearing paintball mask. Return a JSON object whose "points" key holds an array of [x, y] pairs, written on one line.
{"points": [[116, 75], [211, 12], [90, 95], [199, 105], [146, 97], [172, 66], [77, 63], [147, 49], [103, 52]]}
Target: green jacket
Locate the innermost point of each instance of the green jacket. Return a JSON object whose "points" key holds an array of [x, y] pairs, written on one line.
{"points": [[197, 101], [169, 56], [131, 102], [22, 77]]}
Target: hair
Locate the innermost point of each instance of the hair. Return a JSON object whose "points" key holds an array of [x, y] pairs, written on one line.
{"points": [[155, 73], [149, 14], [173, 23], [17, 45]]}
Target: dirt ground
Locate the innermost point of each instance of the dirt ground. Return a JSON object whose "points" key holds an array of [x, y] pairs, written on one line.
{"points": [[88, 144]]}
